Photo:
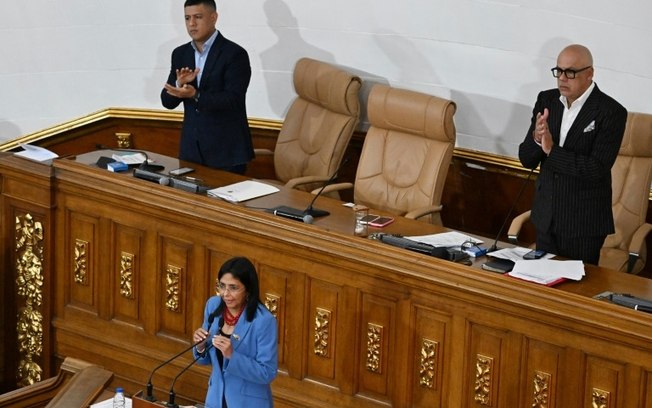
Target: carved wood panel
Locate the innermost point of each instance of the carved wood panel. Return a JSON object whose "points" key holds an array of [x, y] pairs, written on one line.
{"points": [[543, 365], [172, 273], [430, 357], [322, 339], [605, 380], [376, 346], [82, 241], [274, 284], [127, 278]]}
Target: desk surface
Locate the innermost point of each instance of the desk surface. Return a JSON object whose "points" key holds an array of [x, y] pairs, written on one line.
{"points": [[341, 220]]}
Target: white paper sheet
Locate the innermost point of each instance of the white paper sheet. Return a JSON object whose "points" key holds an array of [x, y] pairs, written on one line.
{"points": [[445, 239]]}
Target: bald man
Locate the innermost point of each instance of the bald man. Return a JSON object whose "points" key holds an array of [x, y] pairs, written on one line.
{"points": [[574, 135]]}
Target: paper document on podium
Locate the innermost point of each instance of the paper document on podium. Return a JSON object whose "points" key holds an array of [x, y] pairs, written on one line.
{"points": [[242, 191], [36, 153], [445, 239], [130, 158], [547, 271]]}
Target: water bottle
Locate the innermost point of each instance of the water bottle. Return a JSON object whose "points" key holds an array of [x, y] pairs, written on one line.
{"points": [[119, 398]]}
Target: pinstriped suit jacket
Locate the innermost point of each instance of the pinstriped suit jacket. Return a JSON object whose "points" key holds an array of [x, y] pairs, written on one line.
{"points": [[573, 190]]}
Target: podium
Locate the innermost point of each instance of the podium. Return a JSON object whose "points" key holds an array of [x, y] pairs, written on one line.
{"points": [[138, 401]]}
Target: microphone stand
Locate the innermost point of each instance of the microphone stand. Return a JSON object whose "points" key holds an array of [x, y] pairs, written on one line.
{"points": [[299, 215], [494, 247], [314, 212], [150, 393], [171, 403]]}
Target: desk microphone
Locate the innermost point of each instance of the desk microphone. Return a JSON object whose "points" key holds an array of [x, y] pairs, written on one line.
{"points": [[145, 165], [150, 387], [305, 218], [172, 394], [494, 247], [309, 214]]}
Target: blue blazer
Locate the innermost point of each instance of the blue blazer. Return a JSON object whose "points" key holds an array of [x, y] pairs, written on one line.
{"points": [[573, 189], [215, 130], [245, 378]]}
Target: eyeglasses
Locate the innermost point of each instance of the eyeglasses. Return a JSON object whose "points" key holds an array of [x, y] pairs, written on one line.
{"points": [[468, 244], [570, 73], [223, 289]]}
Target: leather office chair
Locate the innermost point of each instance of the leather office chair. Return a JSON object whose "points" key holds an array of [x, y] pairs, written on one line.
{"points": [[406, 153], [318, 125], [631, 176]]}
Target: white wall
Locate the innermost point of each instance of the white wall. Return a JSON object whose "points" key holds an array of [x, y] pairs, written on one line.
{"points": [[63, 59]]}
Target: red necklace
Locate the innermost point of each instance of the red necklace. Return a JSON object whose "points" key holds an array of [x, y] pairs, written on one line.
{"points": [[229, 318]]}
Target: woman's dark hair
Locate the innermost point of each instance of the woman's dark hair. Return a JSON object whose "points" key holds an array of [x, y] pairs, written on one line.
{"points": [[243, 270]]}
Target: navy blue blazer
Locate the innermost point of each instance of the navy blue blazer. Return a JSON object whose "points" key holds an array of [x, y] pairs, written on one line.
{"points": [[215, 129], [245, 378], [573, 190]]}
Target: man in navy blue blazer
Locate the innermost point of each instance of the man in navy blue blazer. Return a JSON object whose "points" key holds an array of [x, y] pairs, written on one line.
{"points": [[575, 135], [210, 76]]}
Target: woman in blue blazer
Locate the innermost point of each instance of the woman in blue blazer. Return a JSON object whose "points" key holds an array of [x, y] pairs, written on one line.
{"points": [[240, 340]]}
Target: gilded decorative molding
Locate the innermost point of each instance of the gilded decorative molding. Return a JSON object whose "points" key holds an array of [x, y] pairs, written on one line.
{"points": [[80, 262], [271, 303], [172, 290], [483, 379], [127, 275], [322, 329], [428, 363], [29, 285], [123, 139], [541, 394], [374, 344], [600, 398]]}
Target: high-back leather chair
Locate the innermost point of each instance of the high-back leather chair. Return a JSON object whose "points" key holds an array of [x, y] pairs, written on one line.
{"points": [[318, 125], [406, 153], [631, 177]]}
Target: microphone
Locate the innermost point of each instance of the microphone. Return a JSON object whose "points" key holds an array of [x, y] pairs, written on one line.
{"points": [[320, 213], [305, 218], [309, 214], [178, 183], [150, 387], [172, 394], [494, 247], [145, 165]]}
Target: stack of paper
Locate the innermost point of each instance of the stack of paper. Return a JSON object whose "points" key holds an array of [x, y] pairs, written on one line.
{"points": [[130, 158], [36, 153], [547, 271], [445, 239], [242, 191]]}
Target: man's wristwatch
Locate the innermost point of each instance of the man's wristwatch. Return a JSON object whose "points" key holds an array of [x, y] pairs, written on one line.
{"points": [[196, 97]]}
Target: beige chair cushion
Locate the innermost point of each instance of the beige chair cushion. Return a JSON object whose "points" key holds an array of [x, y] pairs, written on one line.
{"points": [[631, 178], [407, 150], [319, 123]]}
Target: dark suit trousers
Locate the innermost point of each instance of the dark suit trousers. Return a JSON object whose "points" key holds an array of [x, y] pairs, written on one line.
{"points": [[586, 249]]}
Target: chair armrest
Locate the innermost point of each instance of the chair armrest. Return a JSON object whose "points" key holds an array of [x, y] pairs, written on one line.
{"points": [[263, 152], [420, 212], [333, 187], [299, 181], [638, 239], [516, 225]]}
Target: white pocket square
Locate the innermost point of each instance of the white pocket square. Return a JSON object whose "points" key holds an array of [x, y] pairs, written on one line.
{"points": [[590, 127]]}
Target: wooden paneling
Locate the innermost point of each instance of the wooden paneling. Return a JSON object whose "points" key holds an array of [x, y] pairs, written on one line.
{"points": [[361, 324]]}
